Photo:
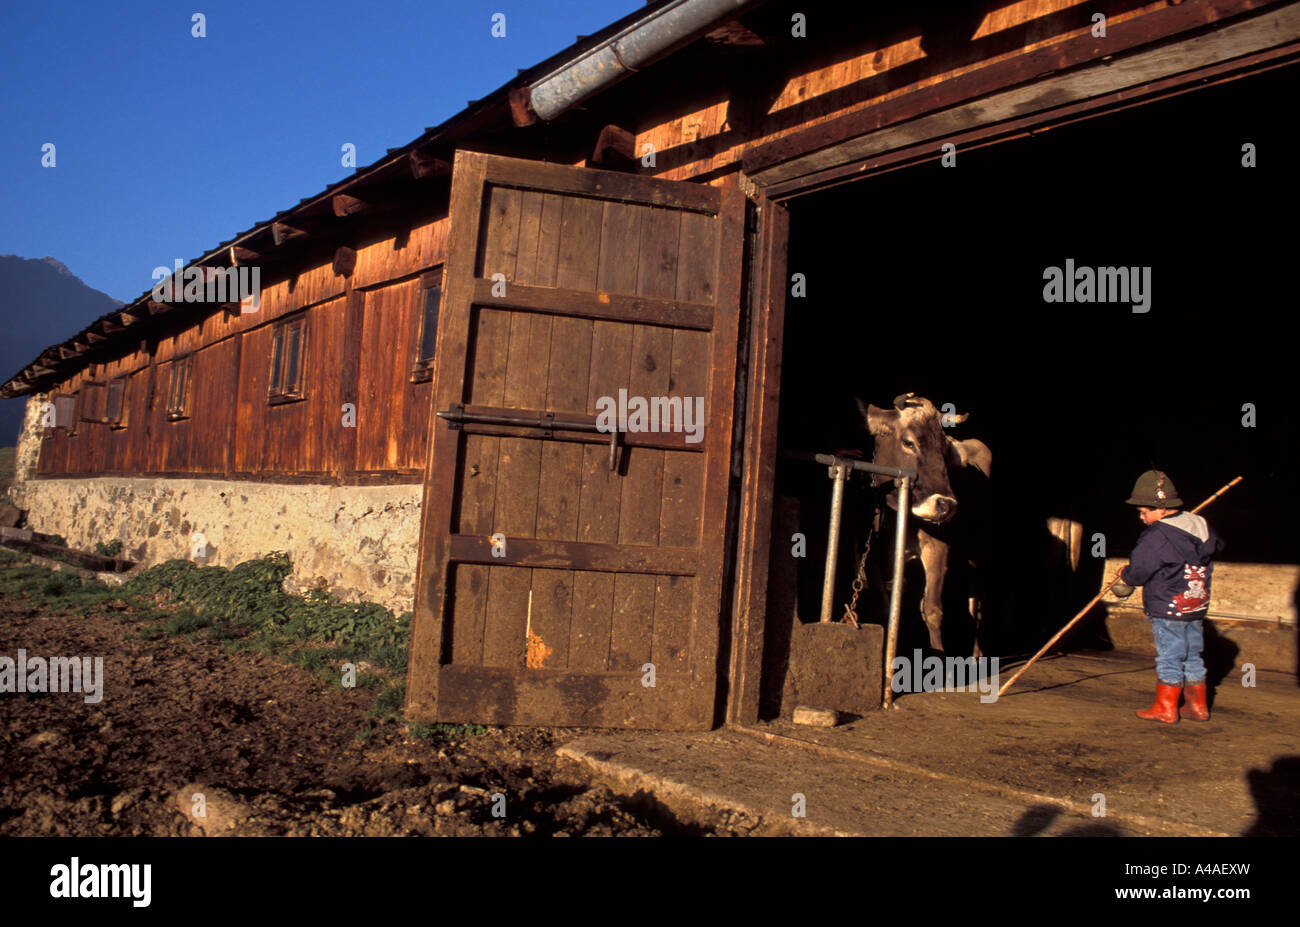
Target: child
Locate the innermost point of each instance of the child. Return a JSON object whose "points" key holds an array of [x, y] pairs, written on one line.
{"points": [[1173, 562]]}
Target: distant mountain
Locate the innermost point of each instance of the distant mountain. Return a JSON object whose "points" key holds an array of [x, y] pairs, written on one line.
{"points": [[41, 303]]}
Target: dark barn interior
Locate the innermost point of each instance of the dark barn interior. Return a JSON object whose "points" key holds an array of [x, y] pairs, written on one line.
{"points": [[930, 279]]}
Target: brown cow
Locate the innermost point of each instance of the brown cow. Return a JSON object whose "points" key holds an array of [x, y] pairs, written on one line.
{"points": [[911, 435]]}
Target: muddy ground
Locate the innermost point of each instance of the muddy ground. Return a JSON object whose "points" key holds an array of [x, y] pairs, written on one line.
{"points": [[272, 749]]}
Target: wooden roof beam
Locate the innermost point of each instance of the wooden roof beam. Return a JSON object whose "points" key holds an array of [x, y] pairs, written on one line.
{"points": [[375, 203], [282, 232], [734, 33], [348, 205], [242, 257], [425, 165], [615, 147]]}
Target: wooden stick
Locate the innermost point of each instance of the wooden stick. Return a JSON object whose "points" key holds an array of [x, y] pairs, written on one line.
{"points": [[1087, 608], [1225, 488]]}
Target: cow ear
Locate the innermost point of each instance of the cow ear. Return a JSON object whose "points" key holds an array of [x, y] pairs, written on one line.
{"points": [[878, 421], [970, 453]]}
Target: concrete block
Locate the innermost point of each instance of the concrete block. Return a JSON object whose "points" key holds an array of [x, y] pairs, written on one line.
{"points": [[815, 717], [837, 667]]}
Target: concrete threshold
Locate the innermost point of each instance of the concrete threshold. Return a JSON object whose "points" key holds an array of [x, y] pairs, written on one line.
{"points": [[1037, 762], [766, 784]]}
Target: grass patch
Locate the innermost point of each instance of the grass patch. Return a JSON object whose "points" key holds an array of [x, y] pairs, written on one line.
{"points": [[63, 592], [445, 731], [246, 608]]}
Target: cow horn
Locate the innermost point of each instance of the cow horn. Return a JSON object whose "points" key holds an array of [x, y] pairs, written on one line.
{"points": [[905, 400]]}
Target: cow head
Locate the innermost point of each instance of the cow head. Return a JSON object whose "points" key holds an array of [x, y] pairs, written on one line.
{"points": [[911, 436]]}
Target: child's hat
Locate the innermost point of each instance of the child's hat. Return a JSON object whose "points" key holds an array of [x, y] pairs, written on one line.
{"points": [[1155, 490]]}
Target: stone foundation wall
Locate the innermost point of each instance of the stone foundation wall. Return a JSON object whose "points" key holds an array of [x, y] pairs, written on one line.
{"points": [[29, 445], [359, 542]]}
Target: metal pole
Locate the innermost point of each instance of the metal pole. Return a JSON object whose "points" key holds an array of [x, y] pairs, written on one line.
{"points": [[829, 460], [896, 593], [839, 474]]}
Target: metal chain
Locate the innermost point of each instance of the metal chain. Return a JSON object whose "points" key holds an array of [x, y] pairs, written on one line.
{"points": [[860, 581]]}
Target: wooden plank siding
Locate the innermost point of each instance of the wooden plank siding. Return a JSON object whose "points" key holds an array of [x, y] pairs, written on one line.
{"points": [[898, 54], [232, 431], [610, 282], [393, 413]]}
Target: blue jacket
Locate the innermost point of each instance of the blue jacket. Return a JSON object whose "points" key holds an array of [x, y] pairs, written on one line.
{"points": [[1173, 562]]}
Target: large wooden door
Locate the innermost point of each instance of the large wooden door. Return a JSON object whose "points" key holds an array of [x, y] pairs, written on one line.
{"points": [[553, 586]]}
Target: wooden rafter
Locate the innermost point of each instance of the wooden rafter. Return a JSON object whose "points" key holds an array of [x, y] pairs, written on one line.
{"points": [[615, 147], [242, 257], [282, 232], [348, 205], [425, 165]]}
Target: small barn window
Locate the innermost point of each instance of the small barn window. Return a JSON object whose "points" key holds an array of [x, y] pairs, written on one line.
{"points": [[65, 409], [115, 404], [288, 349], [92, 403], [427, 337], [178, 392]]}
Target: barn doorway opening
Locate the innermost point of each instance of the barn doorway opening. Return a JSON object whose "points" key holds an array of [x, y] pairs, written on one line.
{"points": [[931, 279]]}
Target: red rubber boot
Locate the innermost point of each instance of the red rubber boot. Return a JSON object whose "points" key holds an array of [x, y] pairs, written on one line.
{"points": [[1166, 705], [1194, 708]]}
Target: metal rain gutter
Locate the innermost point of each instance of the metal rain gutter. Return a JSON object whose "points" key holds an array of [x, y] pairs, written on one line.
{"points": [[622, 54]]}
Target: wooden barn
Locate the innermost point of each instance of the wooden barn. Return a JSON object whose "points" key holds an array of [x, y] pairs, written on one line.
{"points": [[771, 206]]}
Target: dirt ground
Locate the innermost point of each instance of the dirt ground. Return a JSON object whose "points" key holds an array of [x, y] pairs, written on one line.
{"points": [[272, 750]]}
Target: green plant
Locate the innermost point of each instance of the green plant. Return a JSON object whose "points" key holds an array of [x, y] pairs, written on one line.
{"points": [[110, 549], [389, 702], [184, 621], [444, 731], [59, 584], [246, 608]]}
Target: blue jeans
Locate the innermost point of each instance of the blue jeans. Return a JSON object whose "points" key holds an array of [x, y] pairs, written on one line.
{"points": [[1178, 651]]}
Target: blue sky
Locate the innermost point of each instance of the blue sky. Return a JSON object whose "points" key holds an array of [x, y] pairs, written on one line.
{"points": [[167, 144]]}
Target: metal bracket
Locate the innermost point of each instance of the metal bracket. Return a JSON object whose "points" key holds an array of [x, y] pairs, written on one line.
{"points": [[545, 422]]}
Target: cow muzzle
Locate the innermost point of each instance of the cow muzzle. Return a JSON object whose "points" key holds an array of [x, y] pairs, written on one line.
{"points": [[935, 508]]}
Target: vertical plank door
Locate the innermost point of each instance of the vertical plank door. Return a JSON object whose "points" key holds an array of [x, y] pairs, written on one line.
{"points": [[553, 586]]}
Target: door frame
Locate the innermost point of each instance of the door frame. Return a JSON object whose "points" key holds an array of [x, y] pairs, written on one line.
{"points": [[890, 130]]}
